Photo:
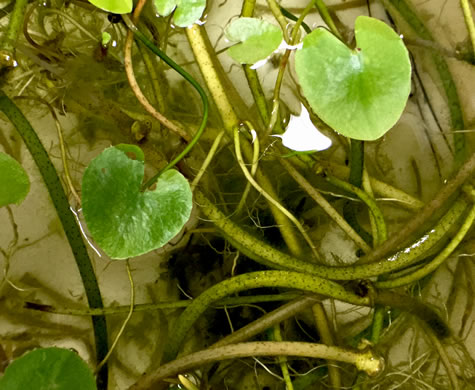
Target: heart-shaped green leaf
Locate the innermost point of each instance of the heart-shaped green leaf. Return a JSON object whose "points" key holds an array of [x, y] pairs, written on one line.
{"points": [[14, 182], [114, 6], [360, 93], [187, 11], [47, 369], [124, 221], [256, 39]]}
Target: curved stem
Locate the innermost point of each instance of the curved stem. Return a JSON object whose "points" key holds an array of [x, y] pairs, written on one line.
{"points": [[276, 204], [129, 71], [284, 279], [254, 165], [211, 72], [381, 188], [435, 263], [424, 215], [369, 201], [187, 77], [364, 360], [71, 229], [266, 254]]}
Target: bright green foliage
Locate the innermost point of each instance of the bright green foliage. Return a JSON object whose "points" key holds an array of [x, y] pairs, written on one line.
{"points": [[14, 182], [124, 221], [256, 39], [47, 369], [360, 93], [114, 6], [187, 11]]}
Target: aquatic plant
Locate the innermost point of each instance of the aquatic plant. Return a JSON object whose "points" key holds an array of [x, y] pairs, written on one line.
{"points": [[236, 197]]}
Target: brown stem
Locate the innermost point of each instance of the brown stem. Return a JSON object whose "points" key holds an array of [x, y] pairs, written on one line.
{"points": [[129, 70]]}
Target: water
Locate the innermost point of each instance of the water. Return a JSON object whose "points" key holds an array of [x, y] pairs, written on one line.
{"points": [[90, 94]]}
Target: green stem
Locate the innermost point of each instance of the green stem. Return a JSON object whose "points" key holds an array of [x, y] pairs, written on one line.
{"points": [[326, 337], [364, 360], [282, 360], [282, 279], [8, 43], [266, 254], [283, 210], [424, 215], [467, 14], [325, 205], [231, 301], [322, 8], [275, 9], [369, 201], [355, 178], [435, 263], [284, 312], [71, 229], [291, 16], [187, 77], [212, 71], [381, 188], [450, 89]]}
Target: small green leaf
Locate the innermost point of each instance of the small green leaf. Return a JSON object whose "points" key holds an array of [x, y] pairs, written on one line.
{"points": [[14, 182], [47, 369], [256, 39], [114, 6], [124, 221], [187, 11], [360, 93]]}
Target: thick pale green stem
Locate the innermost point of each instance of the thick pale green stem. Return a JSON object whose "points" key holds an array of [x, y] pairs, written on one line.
{"points": [[230, 120], [266, 254], [467, 14], [283, 279], [435, 263], [364, 360]]}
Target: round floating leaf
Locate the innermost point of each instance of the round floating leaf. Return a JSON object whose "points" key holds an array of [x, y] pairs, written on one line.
{"points": [[256, 39], [124, 221], [47, 369], [14, 182], [187, 11], [114, 6], [360, 93]]}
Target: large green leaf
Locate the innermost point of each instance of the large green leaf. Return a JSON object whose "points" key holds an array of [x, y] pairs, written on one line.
{"points": [[187, 11], [48, 369], [114, 6], [360, 93], [124, 221], [14, 182], [255, 39]]}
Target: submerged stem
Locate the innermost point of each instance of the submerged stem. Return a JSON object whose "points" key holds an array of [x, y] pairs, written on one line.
{"points": [[8, 42], [71, 229], [364, 360]]}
